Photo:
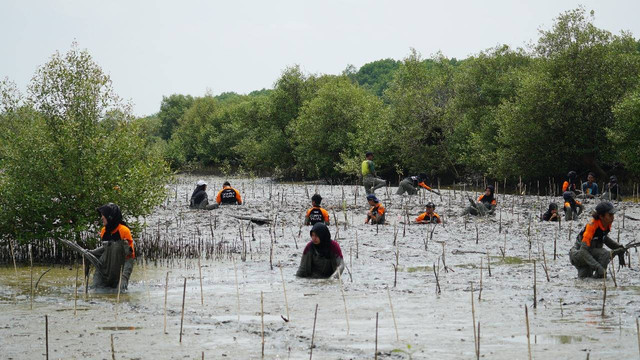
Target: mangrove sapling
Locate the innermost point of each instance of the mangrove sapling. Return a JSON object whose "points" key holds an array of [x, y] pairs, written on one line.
{"points": [[613, 274], [284, 290], [488, 262], [393, 314], [477, 235], [555, 245], [436, 273], [313, 333], [473, 317], [184, 293]]}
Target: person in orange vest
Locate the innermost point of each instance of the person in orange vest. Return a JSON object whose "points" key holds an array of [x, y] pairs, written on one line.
{"points": [[316, 214], [587, 254], [228, 195], [429, 216], [376, 214], [117, 252], [485, 205], [572, 207], [571, 183]]}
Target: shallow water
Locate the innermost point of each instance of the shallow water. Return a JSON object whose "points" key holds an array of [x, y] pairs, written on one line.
{"points": [[566, 323]]}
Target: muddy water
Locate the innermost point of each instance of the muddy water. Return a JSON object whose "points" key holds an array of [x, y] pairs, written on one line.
{"points": [[567, 322]]}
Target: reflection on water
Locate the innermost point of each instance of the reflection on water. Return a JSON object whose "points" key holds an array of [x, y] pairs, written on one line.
{"points": [[550, 339], [118, 328]]}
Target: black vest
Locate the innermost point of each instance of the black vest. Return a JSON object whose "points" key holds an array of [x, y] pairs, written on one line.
{"points": [[315, 216], [228, 196]]}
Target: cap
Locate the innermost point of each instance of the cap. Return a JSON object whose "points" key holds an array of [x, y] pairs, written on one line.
{"points": [[605, 207], [431, 205], [201, 182], [372, 197], [368, 153]]}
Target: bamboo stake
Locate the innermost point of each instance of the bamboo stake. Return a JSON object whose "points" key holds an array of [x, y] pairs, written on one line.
{"points": [[376, 348], [184, 292], [478, 349], [393, 314], [526, 315], [31, 276], [604, 294], [262, 320], [113, 351], [488, 262], [480, 289], [46, 335], [75, 297], [638, 332], [313, 334], [344, 300], [284, 289], [535, 295], [166, 289], [201, 290], [473, 316], [235, 269]]}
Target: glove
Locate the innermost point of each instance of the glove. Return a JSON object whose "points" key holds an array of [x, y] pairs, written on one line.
{"points": [[619, 251], [621, 260]]}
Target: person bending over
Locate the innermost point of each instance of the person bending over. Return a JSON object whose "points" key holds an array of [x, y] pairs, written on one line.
{"points": [[228, 195], [322, 257], [587, 254], [376, 213], [572, 207], [411, 184], [370, 179], [316, 214]]}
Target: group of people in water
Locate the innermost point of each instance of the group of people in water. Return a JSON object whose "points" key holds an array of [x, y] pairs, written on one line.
{"points": [[322, 256]]}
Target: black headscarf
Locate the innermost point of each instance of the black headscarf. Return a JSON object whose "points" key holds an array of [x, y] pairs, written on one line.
{"points": [[113, 215], [198, 189], [322, 231], [488, 198]]}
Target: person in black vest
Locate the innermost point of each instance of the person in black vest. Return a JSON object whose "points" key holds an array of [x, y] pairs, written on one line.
{"points": [[228, 195], [316, 214], [587, 254], [199, 197], [411, 184]]}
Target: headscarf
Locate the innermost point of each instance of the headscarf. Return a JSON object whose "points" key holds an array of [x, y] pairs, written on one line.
{"points": [[113, 215], [322, 231], [488, 198]]}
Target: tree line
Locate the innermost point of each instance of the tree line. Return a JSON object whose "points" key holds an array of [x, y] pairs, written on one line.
{"points": [[569, 101]]}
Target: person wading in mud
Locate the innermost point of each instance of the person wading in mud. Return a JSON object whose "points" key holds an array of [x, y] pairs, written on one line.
{"points": [[376, 213], [116, 253], [199, 197], [322, 257], [485, 205], [590, 187], [571, 183], [411, 184], [587, 254], [228, 195], [612, 190], [551, 214], [429, 216], [316, 214], [370, 179], [572, 207]]}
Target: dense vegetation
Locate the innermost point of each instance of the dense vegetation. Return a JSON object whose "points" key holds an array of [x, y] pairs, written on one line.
{"points": [[69, 146], [570, 101]]}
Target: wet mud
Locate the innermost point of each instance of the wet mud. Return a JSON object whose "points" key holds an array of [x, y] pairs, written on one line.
{"points": [[223, 318]]}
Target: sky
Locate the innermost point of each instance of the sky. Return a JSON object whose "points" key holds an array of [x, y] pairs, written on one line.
{"points": [[153, 49]]}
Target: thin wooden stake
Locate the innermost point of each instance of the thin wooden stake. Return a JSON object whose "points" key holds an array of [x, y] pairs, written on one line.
{"points": [[31, 276], [544, 262], [478, 349], [526, 315], [113, 350], [393, 314], [118, 296], [313, 334], [262, 320], [376, 348], [344, 300], [184, 293], [75, 297], [166, 289], [604, 294], [85, 280], [638, 332], [46, 335], [13, 256], [473, 316], [284, 290], [144, 276], [480, 289], [201, 290], [535, 295], [235, 269]]}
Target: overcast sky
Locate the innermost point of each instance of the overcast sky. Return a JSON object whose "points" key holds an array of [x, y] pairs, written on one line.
{"points": [[156, 48]]}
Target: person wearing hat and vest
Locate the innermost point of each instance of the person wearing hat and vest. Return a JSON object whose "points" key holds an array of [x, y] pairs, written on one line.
{"points": [[551, 214], [590, 187], [429, 216], [316, 214], [228, 195], [612, 190], [199, 197], [485, 205], [572, 207], [370, 179], [376, 213], [116, 252], [411, 184], [322, 257], [587, 254], [571, 183]]}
